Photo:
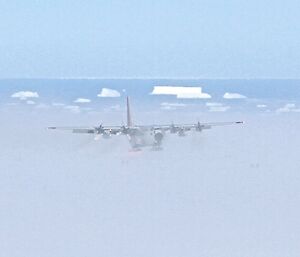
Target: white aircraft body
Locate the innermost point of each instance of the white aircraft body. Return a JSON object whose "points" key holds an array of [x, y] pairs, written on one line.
{"points": [[144, 135]]}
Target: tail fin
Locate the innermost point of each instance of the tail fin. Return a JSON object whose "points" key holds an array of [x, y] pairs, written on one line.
{"points": [[129, 121]]}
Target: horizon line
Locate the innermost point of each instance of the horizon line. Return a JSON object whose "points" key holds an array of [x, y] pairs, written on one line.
{"points": [[149, 78]]}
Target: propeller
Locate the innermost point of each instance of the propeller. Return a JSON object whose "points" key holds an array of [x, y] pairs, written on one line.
{"points": [[181, 132], [173, 128], [199, 126], [99, 130], [124, 130]]}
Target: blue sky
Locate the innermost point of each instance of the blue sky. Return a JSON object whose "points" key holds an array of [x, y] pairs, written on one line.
{"points": [[208, 39]]}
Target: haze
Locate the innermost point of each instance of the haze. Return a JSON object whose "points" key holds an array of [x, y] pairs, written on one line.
{"points": [[230, 191]]}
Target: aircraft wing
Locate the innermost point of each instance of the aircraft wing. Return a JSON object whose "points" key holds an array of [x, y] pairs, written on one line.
{"points": [[213, 124], [116, 130], [197, 126], [92, 130], [86, 130]]}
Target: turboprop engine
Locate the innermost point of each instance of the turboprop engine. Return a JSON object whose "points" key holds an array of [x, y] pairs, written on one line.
{"points": [[181, 132], [158, 136], [106, 134], [173, 129], [99, 129], [199, 127]]}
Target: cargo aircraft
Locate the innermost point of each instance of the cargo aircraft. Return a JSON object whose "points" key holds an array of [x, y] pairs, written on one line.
{"points": [[144, 135]]}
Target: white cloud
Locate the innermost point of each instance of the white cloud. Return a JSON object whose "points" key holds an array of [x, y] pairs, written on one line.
{"points": [[30, 102], [171, 106], [213, 104], [233, 96], [168, 108], [261, 106], [12, 104], [181, 92], [73, 108], [113, 108], [107, 92], [87, 109], [217, 107], [193, 96], [23, 95], [283, 109], [288, 108], [82, 100], [58, 104], [42, 106]]}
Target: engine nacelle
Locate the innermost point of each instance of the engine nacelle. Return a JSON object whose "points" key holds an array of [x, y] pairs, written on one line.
{"points": [[181, 132], [200, 127], [158, 136], [173, 129], [106, 135]]}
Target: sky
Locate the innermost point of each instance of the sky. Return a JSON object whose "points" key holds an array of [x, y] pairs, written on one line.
{"points": [[206, 39]]}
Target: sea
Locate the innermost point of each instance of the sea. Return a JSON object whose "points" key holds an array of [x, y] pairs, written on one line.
{"points": [[260, 95]]}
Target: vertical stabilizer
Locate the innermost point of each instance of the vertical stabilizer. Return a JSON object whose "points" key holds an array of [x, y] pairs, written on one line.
{"points": [[129, 121]]}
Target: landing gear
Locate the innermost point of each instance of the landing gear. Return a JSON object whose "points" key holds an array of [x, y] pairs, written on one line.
{"points": [[181, 133], [135, 149], [156, 148]]}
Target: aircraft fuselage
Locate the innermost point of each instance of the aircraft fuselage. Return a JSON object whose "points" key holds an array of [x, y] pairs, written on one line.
{"points": [[142, 137]]}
